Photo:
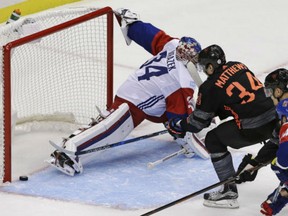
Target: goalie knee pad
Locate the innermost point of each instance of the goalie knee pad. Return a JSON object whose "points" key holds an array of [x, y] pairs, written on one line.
{"points": [[197, 145], [112, 129]]}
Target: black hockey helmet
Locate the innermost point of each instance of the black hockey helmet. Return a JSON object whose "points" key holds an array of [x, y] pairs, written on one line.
{"points": [[277, 79], [212, 55]]}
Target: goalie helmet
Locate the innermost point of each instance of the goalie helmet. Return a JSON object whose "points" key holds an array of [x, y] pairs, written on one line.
{"points": [[188, 50], [213, 55], [282, 109], [277, 79]]}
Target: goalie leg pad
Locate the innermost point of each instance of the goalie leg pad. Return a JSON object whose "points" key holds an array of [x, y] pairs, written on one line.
{"points": [[124, 18], [112, 129], [189, 152], [196, 141], [197, 145]]}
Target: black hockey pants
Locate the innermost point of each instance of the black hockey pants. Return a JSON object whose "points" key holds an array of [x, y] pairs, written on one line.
{"points": [[228, 134]]}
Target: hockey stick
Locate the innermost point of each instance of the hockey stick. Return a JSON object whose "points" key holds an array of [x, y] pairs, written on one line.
{"points": [[194, 73], [277, 192], [107, 146], [151, 165], [228, 180]]}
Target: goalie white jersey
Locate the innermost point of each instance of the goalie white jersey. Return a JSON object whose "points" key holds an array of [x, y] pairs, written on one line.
{"points": [[159, 81]]}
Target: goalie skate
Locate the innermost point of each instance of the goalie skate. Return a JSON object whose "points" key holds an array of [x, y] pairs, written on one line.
{"points": [[102, 131], [65, 160], [65, 163]]}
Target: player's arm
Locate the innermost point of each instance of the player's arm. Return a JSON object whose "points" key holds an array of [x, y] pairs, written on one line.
{"points": [[148, 36], [265, 155], [200, 118], [179, 104]]}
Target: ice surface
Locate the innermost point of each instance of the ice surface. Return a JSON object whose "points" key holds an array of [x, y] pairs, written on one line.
{"points": [[117, 182]]}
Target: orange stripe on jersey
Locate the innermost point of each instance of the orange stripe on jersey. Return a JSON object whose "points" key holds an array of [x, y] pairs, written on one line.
{"points": [[236, 116]]}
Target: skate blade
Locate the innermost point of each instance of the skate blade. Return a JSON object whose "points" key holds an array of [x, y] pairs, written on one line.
{"points": [[229, 204], [77, 165], [67, 170]]}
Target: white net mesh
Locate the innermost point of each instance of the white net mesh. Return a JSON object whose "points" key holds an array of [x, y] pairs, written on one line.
{"points": [[57, 75]]}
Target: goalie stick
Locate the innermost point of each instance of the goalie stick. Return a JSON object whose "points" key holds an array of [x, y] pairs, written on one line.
{"points": [[228, 180], [151, 165], [106, 146], [277, 192], [194, 73]]}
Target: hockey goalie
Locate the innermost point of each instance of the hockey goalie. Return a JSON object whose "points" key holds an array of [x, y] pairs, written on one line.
{"points": [[161, 89]]}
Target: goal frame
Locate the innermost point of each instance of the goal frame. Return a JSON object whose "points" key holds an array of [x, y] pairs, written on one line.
{"points": [[7, 109]]}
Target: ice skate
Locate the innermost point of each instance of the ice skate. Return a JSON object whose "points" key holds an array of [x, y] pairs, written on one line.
{"points": [[65, 160], [224, 198], [64, 163]]}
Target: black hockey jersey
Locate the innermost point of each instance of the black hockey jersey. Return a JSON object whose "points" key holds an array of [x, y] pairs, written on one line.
{"points": [[233, 90]]}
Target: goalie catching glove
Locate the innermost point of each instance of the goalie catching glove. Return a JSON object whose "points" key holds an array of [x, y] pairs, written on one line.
{"points": [[243, 174]]}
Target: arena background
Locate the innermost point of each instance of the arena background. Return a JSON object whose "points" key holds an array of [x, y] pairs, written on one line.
{"points": [[28, 6]]}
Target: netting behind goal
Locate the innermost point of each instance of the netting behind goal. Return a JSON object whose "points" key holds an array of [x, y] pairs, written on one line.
{"points": [[56, 65]]}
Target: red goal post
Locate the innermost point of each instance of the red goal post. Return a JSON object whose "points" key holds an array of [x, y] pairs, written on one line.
{"points": [[54, 64]]}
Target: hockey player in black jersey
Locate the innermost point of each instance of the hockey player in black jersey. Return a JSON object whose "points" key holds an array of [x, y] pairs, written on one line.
{"points": [[231, 90]]}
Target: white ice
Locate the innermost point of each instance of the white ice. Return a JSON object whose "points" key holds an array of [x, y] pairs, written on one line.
{"points": [[253, 32]]}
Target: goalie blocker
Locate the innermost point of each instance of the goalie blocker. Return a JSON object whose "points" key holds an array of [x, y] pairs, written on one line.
{"points": [[110, 129]]}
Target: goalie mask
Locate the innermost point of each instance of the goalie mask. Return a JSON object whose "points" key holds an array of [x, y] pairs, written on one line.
{"points": [[188, 50]]}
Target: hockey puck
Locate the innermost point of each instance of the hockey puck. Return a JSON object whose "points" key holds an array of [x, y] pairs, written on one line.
{"points": [[23, 178]]}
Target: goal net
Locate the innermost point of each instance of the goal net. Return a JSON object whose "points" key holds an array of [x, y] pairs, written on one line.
{"points": [[56, 65]]}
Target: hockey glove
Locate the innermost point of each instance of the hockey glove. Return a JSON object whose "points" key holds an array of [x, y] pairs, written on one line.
{"points": [[281, 174], [270, 208], [243, 174], [175, 129]]}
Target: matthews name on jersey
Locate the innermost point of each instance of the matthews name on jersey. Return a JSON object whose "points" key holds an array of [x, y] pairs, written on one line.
{"points": [[241, 93]]}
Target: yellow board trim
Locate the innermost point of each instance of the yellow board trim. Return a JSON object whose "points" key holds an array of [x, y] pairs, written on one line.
{"points": [[31, 6]]}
